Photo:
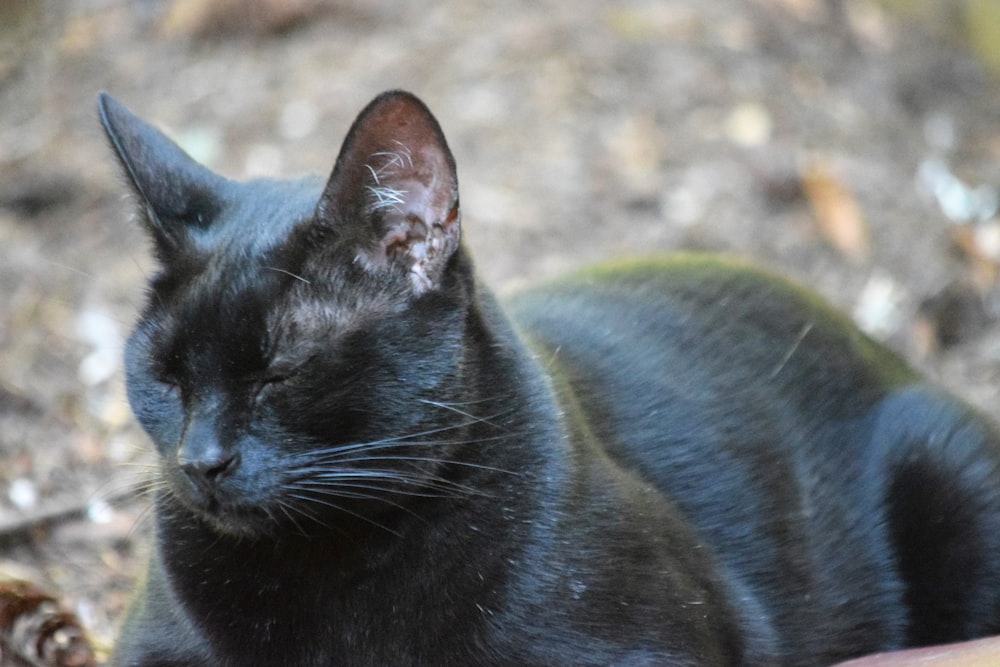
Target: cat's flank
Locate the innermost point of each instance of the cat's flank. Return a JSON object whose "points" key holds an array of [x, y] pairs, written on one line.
{"points": [[365, 462]]}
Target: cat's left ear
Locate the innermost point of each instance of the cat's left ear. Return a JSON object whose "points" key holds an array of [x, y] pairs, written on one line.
{"points": [[393, 194]]}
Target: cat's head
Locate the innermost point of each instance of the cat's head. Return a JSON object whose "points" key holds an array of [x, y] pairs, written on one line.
{"points": [[299, 359]]}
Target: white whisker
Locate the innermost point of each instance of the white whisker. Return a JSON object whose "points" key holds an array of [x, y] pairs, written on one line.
{"points": [[340, 508], [288, 273]]}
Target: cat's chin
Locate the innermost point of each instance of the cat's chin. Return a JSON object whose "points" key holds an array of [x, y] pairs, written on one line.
{"points": [[241, 522], [238, 524]]}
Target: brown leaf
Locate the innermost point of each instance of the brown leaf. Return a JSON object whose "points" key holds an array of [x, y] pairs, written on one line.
{"points": [[35, 631], [836, 212], [220, 18], [982, 266]]}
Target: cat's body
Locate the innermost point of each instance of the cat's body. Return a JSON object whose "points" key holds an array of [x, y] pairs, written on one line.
{"points": [[671, 463]]}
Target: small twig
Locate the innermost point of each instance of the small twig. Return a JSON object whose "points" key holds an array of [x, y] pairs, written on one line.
{"points": [[17, 528]]}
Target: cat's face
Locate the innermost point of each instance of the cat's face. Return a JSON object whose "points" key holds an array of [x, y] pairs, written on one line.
{"points": [[298, 363]]}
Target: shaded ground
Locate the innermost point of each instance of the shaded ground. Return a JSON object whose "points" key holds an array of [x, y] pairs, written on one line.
{"points": [[825, 139]]}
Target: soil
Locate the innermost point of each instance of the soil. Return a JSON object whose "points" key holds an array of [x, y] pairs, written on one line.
{"points": [[826, 139]]}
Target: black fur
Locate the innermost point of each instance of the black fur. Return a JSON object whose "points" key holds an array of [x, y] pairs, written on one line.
{"points": [[682, 462]]}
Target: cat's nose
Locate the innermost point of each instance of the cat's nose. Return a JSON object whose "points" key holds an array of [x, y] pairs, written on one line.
{"points": [[206, 472], [203, 458]]}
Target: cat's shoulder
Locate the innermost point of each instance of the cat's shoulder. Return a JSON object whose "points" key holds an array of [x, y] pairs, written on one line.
{"points": [[693, 308], [691, 285]]}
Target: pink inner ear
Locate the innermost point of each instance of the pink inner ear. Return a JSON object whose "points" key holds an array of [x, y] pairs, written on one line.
{"points": [[414, 195], [402, 181], [393, 193]]}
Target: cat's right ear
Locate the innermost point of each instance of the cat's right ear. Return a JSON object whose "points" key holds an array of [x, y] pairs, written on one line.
{"points": [[178, 197]]}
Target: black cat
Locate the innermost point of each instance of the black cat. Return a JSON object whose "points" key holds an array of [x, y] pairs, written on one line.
{"points": [[661, 463]]}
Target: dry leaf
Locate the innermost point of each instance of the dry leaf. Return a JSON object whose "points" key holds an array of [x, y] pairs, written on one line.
{"points": [[218, 18], [35, 631], [836, 212], [982, 267]]}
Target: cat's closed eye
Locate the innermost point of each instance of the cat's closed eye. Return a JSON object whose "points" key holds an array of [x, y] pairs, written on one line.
{"points": [[171, 387], [276, 376], [168, 379], [268, 384]]}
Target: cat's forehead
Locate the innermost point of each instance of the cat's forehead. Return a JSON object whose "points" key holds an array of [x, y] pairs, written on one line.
{"points": [[233, 267], [264, 268], [277, 292], [258, 216]]}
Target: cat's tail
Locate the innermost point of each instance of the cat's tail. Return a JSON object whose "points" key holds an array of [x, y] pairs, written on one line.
{"points": [[942, 504]]}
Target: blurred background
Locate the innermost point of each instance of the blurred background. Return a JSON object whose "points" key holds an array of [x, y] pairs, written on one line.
{"points": [[851, 144]]}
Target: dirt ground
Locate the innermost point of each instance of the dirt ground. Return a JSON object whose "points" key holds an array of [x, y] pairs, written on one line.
{"points": [[827, 139]]}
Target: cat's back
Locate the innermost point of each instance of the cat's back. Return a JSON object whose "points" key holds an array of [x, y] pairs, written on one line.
{"points": [[698, 358], [732, 390], [694, 325]]}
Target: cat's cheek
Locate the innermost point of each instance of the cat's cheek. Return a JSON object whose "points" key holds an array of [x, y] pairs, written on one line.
{"points": [[157, 405], [160, 412]]}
